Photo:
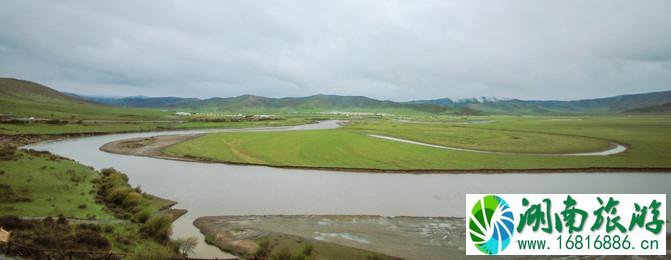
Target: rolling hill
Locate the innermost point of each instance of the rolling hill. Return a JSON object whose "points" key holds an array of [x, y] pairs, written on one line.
{"points": [[316, 103], [137, 101], [258, 104], [664, 108], [609, 105], [20, 98], [24, 98]]}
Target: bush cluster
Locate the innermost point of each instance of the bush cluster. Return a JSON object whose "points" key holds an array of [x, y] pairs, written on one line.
{"points": [[158, 227], [49, 234], [7, 152], [124, 201], [8, 195], [131, 203]]}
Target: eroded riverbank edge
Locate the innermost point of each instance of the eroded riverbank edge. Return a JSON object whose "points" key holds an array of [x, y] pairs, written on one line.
{"points": [[431, 237], [154, 146], [353, 236]]}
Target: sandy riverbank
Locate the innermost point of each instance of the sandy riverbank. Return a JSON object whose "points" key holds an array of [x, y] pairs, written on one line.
{"points": [[405, 237]]}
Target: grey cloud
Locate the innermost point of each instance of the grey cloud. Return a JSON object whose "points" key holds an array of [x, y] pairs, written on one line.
{"points": [[396, 50]]}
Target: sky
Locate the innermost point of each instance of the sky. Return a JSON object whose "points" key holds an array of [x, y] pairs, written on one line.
{"points": [[385, 49]]}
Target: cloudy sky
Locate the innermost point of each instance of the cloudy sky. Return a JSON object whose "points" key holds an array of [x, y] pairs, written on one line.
{"points": [[398, 50]]}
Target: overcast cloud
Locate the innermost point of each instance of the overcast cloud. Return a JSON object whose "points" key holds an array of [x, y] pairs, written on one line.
{"points": [[385, 49]]}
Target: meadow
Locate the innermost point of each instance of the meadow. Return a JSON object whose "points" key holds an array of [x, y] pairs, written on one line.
{"points": [[101, 127], [38, 188], [526, 139]]}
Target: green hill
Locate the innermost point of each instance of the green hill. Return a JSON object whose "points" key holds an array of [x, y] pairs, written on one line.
{"points": [[664, 108], [317, 103], [258, 104], [20, 98], [609, 105]]}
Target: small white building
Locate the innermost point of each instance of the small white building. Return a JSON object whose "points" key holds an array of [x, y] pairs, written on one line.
{"points": [[183, 114]]}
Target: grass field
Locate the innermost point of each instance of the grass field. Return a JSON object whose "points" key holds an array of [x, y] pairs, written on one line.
{"points": [[350, 147], [116, 127], [40, 186]]}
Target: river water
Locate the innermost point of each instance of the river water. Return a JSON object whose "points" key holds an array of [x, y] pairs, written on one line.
{"points": [[210, 189]]}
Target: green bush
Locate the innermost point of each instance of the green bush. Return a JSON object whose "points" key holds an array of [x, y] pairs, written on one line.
{"points": [[152, 252], [263, 250], [283, 254], [132, 199], [158, 227], [117, 195], [307, 249], [143, 215]]}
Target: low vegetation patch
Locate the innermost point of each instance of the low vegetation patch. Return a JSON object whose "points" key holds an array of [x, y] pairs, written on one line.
{"points": [[98, 211], [53, 237]]}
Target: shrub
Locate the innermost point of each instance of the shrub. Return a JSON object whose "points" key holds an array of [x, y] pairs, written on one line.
{"points": [[62, 220], [143, 215], [7, 152], [117, 195], [158, 227], [108, 229], [263, 250], [7, 194], [283, 254], [14, 222], [91, 238], [307, 249], [86, 226], [186, 246], [152, 252], [132, 199]]}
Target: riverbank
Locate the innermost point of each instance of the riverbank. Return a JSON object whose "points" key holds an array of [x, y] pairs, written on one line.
{"points": [[44, 194], [207, 189], [155, 146], [337, 236], [403, 237]]}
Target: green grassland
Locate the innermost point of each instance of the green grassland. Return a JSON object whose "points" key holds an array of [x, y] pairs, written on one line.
{"points": [[37, 185], [121, 127], [40, 186], [646, 136], [466, 136]]}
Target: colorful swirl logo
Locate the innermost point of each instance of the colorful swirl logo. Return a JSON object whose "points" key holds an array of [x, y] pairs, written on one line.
{"points": [[491, 224]]}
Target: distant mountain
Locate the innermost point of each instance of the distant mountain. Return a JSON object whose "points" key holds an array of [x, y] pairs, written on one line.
{"points": [[663, 108], [136, 101], [440, 102], [608, 105], [316, 103], [258, 104], [21, 98], [456, 103], [31, 99]]}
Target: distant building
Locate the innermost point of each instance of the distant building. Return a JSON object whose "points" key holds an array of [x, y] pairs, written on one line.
{"points": [[183, 114]]}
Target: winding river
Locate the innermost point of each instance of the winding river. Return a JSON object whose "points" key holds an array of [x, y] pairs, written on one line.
{"points": [[207, 189]]}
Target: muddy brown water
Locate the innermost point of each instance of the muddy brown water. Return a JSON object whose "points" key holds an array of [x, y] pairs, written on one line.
{"points": [[207, 189]]}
